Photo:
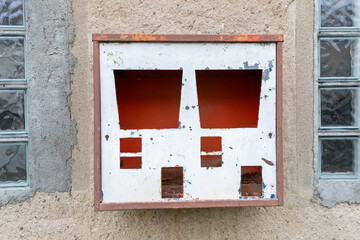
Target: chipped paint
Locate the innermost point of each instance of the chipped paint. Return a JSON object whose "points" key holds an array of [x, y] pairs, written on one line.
{"points": [[143, 37], [247, 66], [266, 75], [268, 162]]}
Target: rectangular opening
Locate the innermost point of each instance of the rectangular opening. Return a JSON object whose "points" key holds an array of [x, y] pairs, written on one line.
{"points": [[228, 98], [130, 162], [251, 181], [130, 145], [148, 99], [172, 182], [211, 161], [210, 144]]}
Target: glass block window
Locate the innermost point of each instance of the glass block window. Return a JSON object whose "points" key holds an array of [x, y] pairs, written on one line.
{"points": [[13, 124], [337, 82]]}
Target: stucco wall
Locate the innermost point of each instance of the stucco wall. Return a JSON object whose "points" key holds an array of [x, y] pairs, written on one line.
{"points": [[71, 215]]}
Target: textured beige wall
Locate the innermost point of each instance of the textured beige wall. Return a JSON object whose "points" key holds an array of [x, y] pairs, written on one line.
{"points": [[71, 216]]}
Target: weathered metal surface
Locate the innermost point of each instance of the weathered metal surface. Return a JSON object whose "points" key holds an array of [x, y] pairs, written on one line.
{"points": [[188, 128], [186, 38], [188, 204], [279, 121], [97, 128]]}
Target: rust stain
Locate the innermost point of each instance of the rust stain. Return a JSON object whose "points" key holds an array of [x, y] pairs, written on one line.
{"points": [[221, 38], [281, 38], [256, 38], [101, 38], [162, 38], [241, 38], [268, 162], [123, 36], [143, 37]]}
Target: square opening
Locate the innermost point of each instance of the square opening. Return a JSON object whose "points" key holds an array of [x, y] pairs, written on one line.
{"points": [[228, 98], [148, 99], [210, 144], [251, 181], [172, 182], [130, 145]]}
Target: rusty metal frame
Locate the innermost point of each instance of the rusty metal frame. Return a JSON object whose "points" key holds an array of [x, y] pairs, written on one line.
{"points": [[97, 38]]}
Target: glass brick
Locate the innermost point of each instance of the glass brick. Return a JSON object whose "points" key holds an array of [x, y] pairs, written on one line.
{"points": [[335, 13], [12, 12], [12, 65], [337, 57], [12, 112], [338, 107], [13, 162], [337, 155]]}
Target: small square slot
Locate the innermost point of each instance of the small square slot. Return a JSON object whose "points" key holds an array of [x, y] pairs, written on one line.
{"points": [[130, 145], [130, 162], [251, 181], [172, 182], [210, 144], [211, 161]]}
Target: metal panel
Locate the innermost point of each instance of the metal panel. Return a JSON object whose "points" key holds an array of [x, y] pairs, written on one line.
{"points": [[206, 202]]}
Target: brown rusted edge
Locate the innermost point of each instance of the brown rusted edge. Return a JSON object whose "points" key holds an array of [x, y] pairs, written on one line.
{"points": [[97, 127], [279, 118], [188, 204], [185, 38]]}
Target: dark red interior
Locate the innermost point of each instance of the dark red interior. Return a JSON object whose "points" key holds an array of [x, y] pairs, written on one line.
{"points": [[130, 145], [130, 162], [229, 98], [148, 99], [210, 144], [251, 181]]}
